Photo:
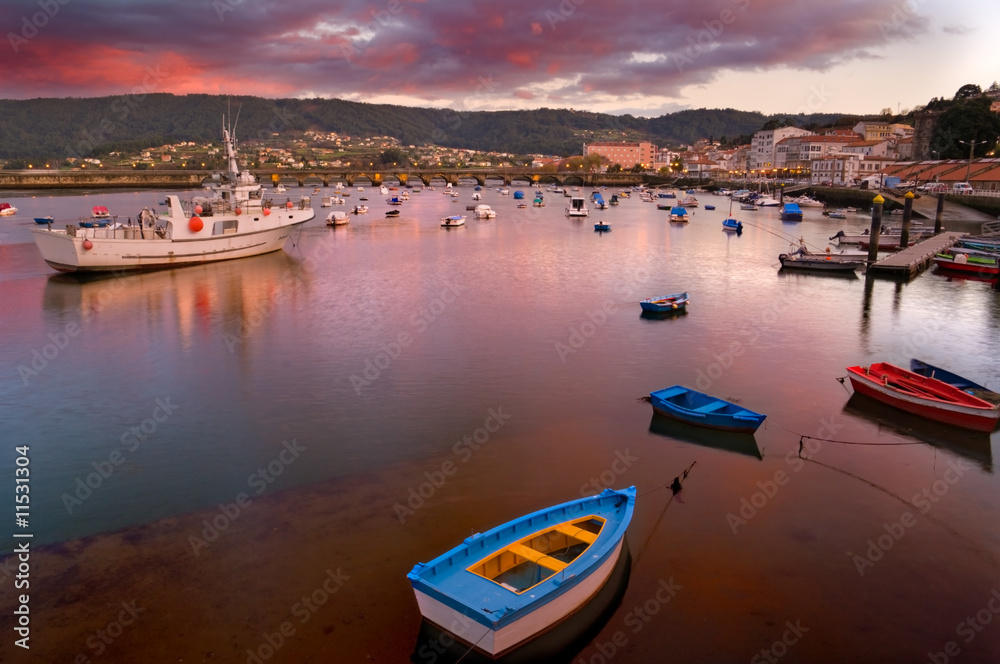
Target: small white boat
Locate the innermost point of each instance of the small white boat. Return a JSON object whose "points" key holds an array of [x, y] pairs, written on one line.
{"points": [[6, 209], [484, 212], [360, 209], [577, 207], [454, 220], [337, 218], [477, 196], [767, 201], [280, 188], [806, 201], [326, 201]]}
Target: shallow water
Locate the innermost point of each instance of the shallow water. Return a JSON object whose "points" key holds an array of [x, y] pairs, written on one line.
{"points": [[346, 385]]}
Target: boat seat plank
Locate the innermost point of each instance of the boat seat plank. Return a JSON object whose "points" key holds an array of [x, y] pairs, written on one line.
{"points": [[671, 392], [710, 407], [537, 557], [577, 533]]}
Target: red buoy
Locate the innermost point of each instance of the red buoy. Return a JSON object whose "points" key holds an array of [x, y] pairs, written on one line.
{"points": [[289, 205], [198, 209], [88, 245], [238, 211], [196, 224], [267, 211]]}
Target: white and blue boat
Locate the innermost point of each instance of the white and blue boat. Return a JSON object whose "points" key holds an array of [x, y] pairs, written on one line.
{"points": [[662, 304], [518, 195], [602, 226], [502, 588], [731, 224], [678, 214], [687, 405], [41, 221], [790, 212]]}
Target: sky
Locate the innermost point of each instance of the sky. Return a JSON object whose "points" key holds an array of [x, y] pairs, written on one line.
{"points": [[643, 57]]}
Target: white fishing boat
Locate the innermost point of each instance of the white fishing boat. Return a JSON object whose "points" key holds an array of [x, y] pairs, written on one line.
{"points": [[452, 221], [577, 207], [326, 201], [337, 218], [234, 221], [484, 212]]}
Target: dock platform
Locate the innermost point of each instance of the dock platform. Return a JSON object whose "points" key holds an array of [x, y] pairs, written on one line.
{"points": [[911, 261]]}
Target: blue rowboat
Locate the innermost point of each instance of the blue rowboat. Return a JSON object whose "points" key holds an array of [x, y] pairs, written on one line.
{"points": [[502, 588], [43, 220], [665, 303], [687, 405], [602, 226], [709, 207], [945, 376]]}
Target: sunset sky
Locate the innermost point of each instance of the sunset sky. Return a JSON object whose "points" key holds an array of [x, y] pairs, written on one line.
{"points": [[645, 57]]}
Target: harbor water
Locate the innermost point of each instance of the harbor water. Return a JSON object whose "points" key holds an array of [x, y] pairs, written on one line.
{"points": [[240, 461]]}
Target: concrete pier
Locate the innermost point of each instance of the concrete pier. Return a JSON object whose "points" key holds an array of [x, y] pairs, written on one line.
{"points": [[911, 261]]}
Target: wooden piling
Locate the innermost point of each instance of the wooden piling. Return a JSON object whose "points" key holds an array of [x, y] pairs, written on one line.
{"points": [[876, 228], [904, 239], [940, 214]]}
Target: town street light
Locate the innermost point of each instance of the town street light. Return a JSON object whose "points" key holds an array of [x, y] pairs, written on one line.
{"points": [[972, 146]]}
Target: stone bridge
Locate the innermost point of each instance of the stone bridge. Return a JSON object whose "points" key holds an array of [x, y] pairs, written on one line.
{"points": [[189, 179]]}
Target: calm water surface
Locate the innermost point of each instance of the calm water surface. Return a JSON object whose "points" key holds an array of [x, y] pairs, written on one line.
{"points": [[364, 361]]}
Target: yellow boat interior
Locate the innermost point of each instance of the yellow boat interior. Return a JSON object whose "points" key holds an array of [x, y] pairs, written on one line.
{"points": [[524, 564]]}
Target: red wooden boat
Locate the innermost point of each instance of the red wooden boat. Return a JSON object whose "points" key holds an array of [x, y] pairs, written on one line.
{"points": [[924, 396], [959, 262]]}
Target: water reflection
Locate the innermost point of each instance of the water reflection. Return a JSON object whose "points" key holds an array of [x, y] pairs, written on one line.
{"points": [[663, 315], [740, 443], [973, 445], [559, 646]]}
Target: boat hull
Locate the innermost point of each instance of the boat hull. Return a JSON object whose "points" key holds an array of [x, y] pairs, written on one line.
{"points": [[495, 643], [67, 253], [965, 414], [969, 267], [665, 303], [478, 591], [701, 410], [824, 264]]}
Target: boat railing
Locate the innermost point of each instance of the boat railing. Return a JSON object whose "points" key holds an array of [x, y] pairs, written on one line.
{"points": [[118, 231]]}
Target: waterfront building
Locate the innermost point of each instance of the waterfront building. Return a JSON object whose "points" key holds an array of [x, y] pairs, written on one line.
{"points": [[628, 155], [763, 143]]}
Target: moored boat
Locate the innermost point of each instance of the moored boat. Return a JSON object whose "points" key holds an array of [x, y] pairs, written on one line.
{"points": [[484, 211], [41, 221], [962, 262], [924, 396], [359, 209], [577, 207], [454, 220], [733, 225], [100, 212], [709, 207], [962, 383], [687, 405], [802, 259], [337, 218], [790, 212], [679, 214], [392, 213], [6, 209], [236, 222], [602, 226], [665, 303], [502, 588]]}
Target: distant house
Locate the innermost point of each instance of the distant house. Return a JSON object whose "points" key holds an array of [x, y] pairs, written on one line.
{"points": [[627, 154], [873, 130], [797, 152], [762, 147], [875, 148]]}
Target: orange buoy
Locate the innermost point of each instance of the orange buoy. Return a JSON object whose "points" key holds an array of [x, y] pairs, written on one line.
{"points": [[88, 245], [289, 205], [238, 211], [196, 224], [267, 211], [198, 209]]}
